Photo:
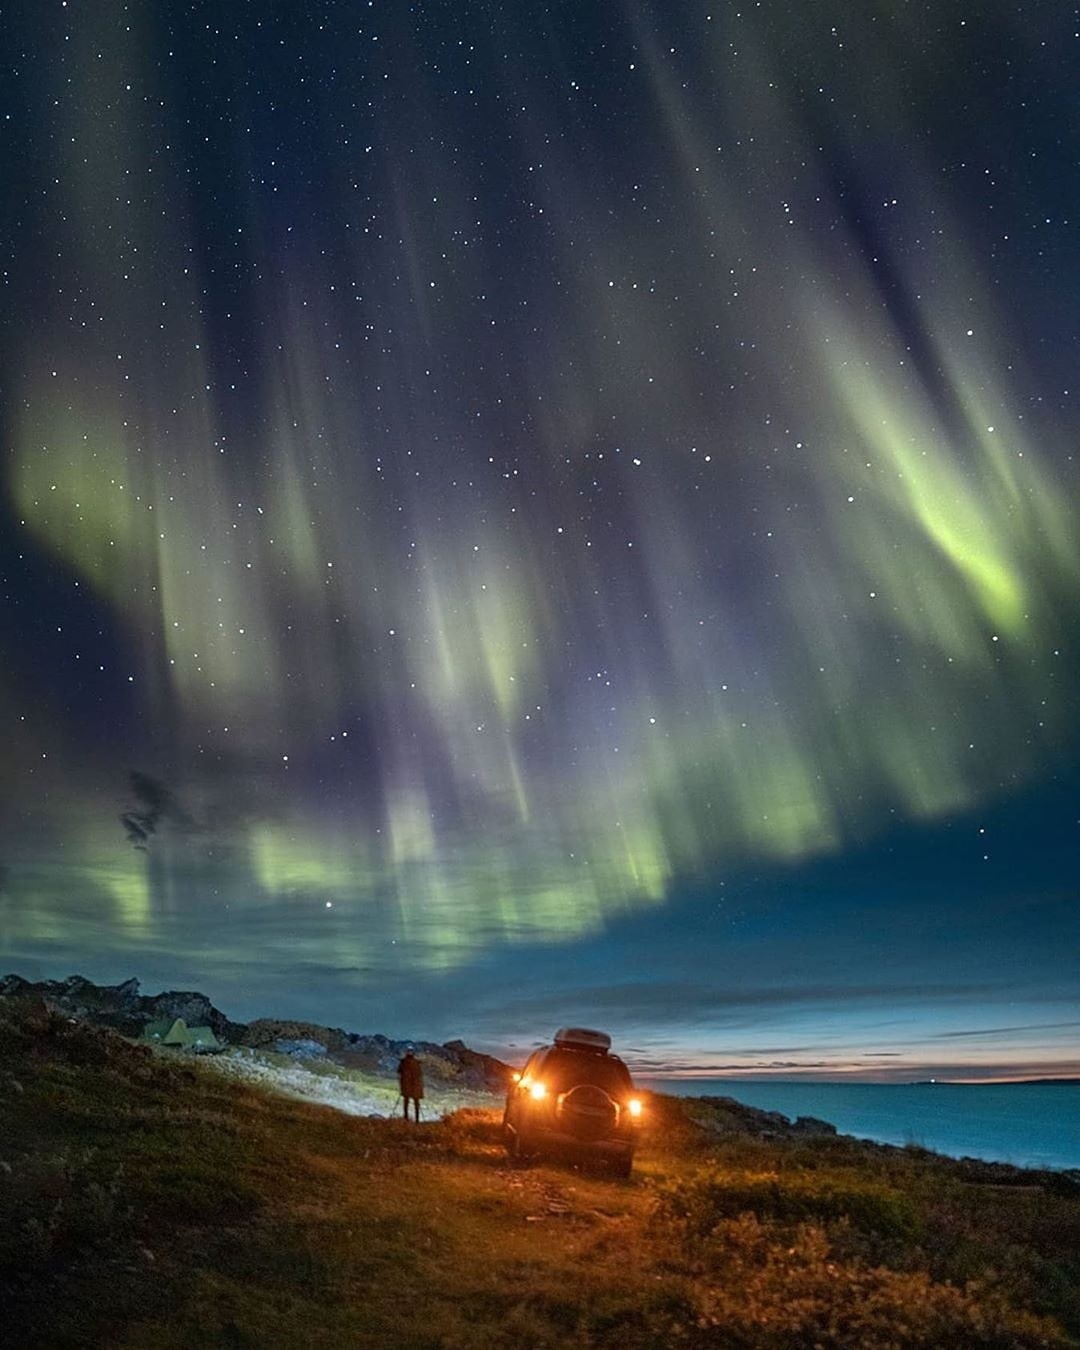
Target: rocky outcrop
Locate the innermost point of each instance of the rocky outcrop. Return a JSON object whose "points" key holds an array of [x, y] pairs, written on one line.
{"points": [[301, 1049], [725, 1115], [33, 1031], [810, 1125], [122, 1008], [452, 1063], [265, 1033], [478, 1068]]}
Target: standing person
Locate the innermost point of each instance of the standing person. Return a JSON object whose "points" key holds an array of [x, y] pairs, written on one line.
{"points": [[410, 1076]]}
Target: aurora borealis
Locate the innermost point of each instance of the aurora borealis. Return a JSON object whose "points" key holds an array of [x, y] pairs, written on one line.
{"points": [[567, 506]]}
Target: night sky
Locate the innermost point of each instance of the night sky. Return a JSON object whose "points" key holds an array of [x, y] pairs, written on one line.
{"points": [[514, 514]]}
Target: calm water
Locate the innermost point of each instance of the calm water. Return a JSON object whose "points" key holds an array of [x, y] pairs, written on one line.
{"points": [[1030, 1124]]}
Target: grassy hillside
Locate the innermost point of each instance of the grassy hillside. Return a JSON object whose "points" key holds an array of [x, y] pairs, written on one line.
{"points": [[150, 1202]]}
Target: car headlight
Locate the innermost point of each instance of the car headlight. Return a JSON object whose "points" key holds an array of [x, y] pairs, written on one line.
{"points": [[634, 1107], [538, 1091]]}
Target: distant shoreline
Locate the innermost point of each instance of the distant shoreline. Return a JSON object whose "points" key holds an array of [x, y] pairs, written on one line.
{"points": [[862, 1082], [1018, 1122], [989, 1082]]}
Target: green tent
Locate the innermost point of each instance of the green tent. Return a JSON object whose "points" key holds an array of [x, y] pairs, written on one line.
{"points": [[190, 1038]]}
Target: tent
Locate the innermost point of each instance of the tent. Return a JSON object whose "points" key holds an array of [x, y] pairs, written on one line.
{"points": [[190, 1038]]}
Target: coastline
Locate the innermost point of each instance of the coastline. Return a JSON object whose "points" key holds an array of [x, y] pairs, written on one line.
{"points": [[1022, 1124]]}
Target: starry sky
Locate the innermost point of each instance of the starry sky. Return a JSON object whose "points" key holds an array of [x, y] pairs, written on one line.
{"points": [[523, 514]]}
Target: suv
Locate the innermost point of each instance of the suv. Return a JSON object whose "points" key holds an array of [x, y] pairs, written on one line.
{"points": [[574, 1097]]}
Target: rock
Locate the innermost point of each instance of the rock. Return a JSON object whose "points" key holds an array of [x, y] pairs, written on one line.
{"points": [[302, 1049], [811, 1125], [121, 1007], [727, 1114], [34, 1031], [265, 1033], [375, 1052], [79, 986], [453, 1062], [477, 1069]]}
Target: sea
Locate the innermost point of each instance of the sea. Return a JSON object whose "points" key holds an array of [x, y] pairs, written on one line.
{"points": [[1027, 1124]]}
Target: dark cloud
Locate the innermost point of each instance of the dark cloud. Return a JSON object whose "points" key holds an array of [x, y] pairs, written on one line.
{"points": [[672, 1001], [1019, 1030], [156, 805], [316, 970]]}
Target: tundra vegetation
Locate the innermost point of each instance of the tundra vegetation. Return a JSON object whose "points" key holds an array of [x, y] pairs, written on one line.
{"points": [[146, 1200]]}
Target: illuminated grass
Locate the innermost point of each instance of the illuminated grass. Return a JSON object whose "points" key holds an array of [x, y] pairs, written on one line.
{"points": [[150, 1202]]}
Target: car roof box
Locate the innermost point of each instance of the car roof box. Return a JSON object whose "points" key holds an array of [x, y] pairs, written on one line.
{"points": [[583, 1039]]}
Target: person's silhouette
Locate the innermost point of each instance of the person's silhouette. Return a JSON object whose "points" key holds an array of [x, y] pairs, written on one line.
{"points": [[411, 1081]]}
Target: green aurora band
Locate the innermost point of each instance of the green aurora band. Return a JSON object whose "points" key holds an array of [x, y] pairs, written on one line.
{"points": [[792, 631]]}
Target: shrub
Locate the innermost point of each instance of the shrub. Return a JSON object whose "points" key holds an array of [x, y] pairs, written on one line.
{"points": [[190, 1193], [53, 1208], [863, 1206], [763, 1294]]}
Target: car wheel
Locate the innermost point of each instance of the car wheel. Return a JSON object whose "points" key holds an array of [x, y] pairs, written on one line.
{"points": [[623, 1166]]}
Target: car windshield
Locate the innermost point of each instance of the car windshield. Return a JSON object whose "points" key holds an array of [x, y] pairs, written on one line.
{"points": [[564, 1068]]}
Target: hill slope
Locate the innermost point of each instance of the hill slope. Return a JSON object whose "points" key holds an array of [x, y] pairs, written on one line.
{"points": [[147, 1201], [123, 1008]]}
